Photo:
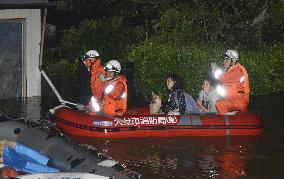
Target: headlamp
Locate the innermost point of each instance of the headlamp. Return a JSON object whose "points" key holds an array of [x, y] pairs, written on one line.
{"points": [[227, 56], [110, 67]]}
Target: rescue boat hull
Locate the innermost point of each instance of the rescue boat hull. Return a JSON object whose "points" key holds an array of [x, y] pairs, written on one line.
{"points": [[80, 124]]}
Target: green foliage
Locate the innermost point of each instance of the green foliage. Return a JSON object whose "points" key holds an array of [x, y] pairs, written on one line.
{"points": [[58, 66], [107, 37], [250, 23], [188, 36], [154, 60], [179, 36], [265, 69], [246, 22]]}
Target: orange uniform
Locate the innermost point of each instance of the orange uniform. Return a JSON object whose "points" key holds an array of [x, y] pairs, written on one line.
{"points": [[97, 72], [236, 83], [115, 102]]}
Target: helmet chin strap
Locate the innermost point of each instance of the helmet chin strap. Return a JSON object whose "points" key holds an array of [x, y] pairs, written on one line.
{"points": [[230, 65], [92, 63]]}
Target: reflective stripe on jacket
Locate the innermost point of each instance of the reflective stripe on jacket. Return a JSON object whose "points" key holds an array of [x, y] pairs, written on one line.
{"points": [[115, 100]]}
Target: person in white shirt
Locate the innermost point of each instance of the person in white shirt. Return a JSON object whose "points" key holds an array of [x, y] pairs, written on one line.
{"points": [[207, 97]]}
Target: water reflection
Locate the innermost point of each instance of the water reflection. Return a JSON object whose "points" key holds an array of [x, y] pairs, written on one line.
{"points": [[187, 157]]}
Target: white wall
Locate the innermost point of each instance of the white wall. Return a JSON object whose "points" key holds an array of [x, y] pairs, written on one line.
{"points": [[32, 34]]}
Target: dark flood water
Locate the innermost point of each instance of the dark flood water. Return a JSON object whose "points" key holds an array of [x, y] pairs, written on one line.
{"points": [[184, 157]]}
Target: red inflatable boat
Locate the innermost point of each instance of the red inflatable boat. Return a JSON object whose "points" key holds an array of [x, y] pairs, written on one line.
{"points": [[80, 124]]}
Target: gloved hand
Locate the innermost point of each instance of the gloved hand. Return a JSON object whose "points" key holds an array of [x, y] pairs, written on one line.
{"points": [[80, 107], [216, 72], [213, 67]]}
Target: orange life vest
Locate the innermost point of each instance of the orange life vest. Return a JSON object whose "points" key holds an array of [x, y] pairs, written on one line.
{"points": [[115, 102], [236, 83], [97, 72]]}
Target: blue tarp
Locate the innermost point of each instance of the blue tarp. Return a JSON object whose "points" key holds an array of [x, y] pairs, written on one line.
{"points": [[25, 159], [35, 155]]}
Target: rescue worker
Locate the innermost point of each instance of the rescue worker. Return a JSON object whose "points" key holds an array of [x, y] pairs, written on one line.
{"points": [[234, 89], [115, 90], [92, 61]]}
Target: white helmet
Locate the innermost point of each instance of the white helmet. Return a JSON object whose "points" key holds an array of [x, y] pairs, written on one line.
{"points": [[231, 55], [113, 65], [91, 54]]}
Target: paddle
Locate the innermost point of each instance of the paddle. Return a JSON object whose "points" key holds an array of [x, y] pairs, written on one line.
{"points": [[63, 102]]}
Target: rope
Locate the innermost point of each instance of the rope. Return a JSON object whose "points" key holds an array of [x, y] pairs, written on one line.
{"points": [[10, 118]]}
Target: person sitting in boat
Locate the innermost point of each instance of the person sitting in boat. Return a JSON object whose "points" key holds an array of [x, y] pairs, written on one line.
{"points": [[207, 97], [178, 102], [115, 90], [234, 85]]}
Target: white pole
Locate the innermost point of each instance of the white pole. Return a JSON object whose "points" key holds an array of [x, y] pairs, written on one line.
{"points": [[52, 86]]}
